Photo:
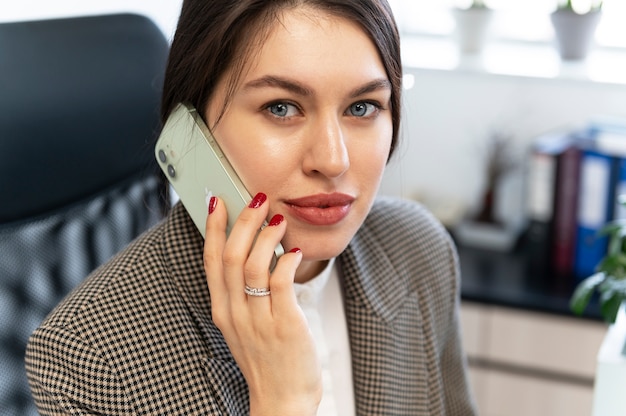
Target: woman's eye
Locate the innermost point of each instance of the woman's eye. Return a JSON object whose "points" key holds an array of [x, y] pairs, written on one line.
{"points": [[282, 109], [362, 109]]}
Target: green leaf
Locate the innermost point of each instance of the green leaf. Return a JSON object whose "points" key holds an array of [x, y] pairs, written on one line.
{"points": [[615, 246], [613, 266], [584, 291], [614, 285], [610, 302], [612, 227]]}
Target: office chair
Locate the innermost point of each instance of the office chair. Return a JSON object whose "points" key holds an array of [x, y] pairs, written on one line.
{"points": [[79, 111]]}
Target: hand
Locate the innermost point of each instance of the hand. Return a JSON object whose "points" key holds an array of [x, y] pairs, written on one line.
{"points": [[268, 335]]}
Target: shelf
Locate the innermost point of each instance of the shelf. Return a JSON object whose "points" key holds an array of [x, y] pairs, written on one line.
{"points": [[518, 59]]}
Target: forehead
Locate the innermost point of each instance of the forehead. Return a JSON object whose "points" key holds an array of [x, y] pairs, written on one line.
{"points": [[308, 41]]}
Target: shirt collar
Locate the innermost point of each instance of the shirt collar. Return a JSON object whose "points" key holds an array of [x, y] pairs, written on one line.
{"points": [[309, 292]]}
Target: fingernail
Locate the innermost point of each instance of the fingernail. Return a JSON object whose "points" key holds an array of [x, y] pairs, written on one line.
{"points": [[212, 204], [276, 219], [258, 200], [295, 250]]}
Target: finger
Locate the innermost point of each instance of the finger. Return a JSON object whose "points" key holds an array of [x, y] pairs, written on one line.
{"points": [[215, 239], [281, 283], [241, 241], [257, 269]]}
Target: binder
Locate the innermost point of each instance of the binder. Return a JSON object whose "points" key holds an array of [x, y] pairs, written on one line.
{"points": [[565, 216], [619, 211], [547, 159], [598, 175]]}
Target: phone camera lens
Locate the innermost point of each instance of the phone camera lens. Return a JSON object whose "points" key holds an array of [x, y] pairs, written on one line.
{"points": [[162, 156], [171, 171]]}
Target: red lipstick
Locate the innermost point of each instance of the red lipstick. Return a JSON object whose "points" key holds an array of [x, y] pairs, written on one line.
{"points": [[321, 209]]}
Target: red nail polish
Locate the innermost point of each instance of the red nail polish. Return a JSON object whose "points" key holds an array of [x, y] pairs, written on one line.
{"points": [[295, 250], [258, 200], [212, 204], [276, 219]]}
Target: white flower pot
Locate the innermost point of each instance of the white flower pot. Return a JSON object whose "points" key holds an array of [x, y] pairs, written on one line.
{"points": [[608, 397], [472, 28], [574, 32]]}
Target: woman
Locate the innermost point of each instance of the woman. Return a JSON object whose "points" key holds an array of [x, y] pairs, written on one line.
{"points": [[360, 316]]}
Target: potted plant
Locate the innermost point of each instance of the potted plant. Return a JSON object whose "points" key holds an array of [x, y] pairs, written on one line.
{"points": [[575, 26], [472, 26], [609, 281]]}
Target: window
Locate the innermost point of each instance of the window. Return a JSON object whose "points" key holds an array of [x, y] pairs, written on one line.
{"points": [[520, 20]]}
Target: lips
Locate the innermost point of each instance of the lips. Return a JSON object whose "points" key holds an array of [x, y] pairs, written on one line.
{"points": [[321, 209]]}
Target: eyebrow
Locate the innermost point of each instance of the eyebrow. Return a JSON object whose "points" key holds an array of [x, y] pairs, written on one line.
{"points": [[374, 85], [279, 82], [300, 89]]}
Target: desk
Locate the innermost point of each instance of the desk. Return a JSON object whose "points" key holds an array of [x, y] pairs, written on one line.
{"points": [[504, 279]]}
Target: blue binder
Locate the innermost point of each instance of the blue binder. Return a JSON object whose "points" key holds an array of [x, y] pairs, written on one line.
{"points": [[598, 179]]}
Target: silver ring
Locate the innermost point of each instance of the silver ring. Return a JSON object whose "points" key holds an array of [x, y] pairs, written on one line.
{"points": [[256, 291]]}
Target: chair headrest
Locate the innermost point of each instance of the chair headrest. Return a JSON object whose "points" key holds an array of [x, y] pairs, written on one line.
{"points": [[79, 107]]}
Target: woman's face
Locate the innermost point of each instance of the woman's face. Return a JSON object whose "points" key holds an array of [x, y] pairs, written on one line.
{"points": [[310, 126]]}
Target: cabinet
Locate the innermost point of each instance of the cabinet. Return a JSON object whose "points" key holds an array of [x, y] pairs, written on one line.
{"points": [[530, 363]]}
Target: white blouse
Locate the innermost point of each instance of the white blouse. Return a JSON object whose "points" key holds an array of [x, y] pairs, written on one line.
{"points": [[321, 301]]}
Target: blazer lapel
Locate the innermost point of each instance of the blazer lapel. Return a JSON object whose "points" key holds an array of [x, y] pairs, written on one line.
{"points": [[373, 296], [230, 389], [183, 248], [377, 305]]}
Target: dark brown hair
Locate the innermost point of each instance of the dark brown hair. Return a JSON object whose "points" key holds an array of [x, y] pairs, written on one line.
{"points": [[214, 36]]}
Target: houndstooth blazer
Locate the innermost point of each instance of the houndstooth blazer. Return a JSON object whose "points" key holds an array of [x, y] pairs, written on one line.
{"points": [[136, 338]]}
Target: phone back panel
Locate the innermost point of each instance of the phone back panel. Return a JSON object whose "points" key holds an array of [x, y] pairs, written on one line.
{"points": [[197, 168]]}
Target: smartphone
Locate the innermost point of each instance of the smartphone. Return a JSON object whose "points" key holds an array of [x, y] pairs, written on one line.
{"points": [[197, 169]]}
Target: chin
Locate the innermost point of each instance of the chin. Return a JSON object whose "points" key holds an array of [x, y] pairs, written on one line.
{"points": [[318, 249], [322, 255]]}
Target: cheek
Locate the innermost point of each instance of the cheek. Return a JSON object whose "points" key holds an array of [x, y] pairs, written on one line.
{"points": [[252, 153], [372, 159], [371, 169], [260, 163]]}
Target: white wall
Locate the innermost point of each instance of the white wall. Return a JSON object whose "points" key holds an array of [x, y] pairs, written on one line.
{"points": [[449, 114]]}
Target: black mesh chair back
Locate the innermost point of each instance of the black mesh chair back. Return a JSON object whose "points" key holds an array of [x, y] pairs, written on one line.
{"points": [[79, 111]]}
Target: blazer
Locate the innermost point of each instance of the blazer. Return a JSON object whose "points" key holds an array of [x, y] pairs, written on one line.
{"points": [[136, 337]]}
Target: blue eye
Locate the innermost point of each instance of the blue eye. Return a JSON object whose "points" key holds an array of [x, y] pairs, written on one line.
{"points": [[282, 109], [362, 109]]}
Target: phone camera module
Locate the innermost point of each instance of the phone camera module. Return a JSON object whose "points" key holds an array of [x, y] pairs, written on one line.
{"points": [[171, 171], [162, 156]]}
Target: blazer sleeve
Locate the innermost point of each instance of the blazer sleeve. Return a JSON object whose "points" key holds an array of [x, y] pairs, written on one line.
{"points": [[459, 398], [68, 377]]}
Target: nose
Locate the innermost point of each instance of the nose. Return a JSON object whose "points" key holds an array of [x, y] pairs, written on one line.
{"points": [[327, 153]]}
